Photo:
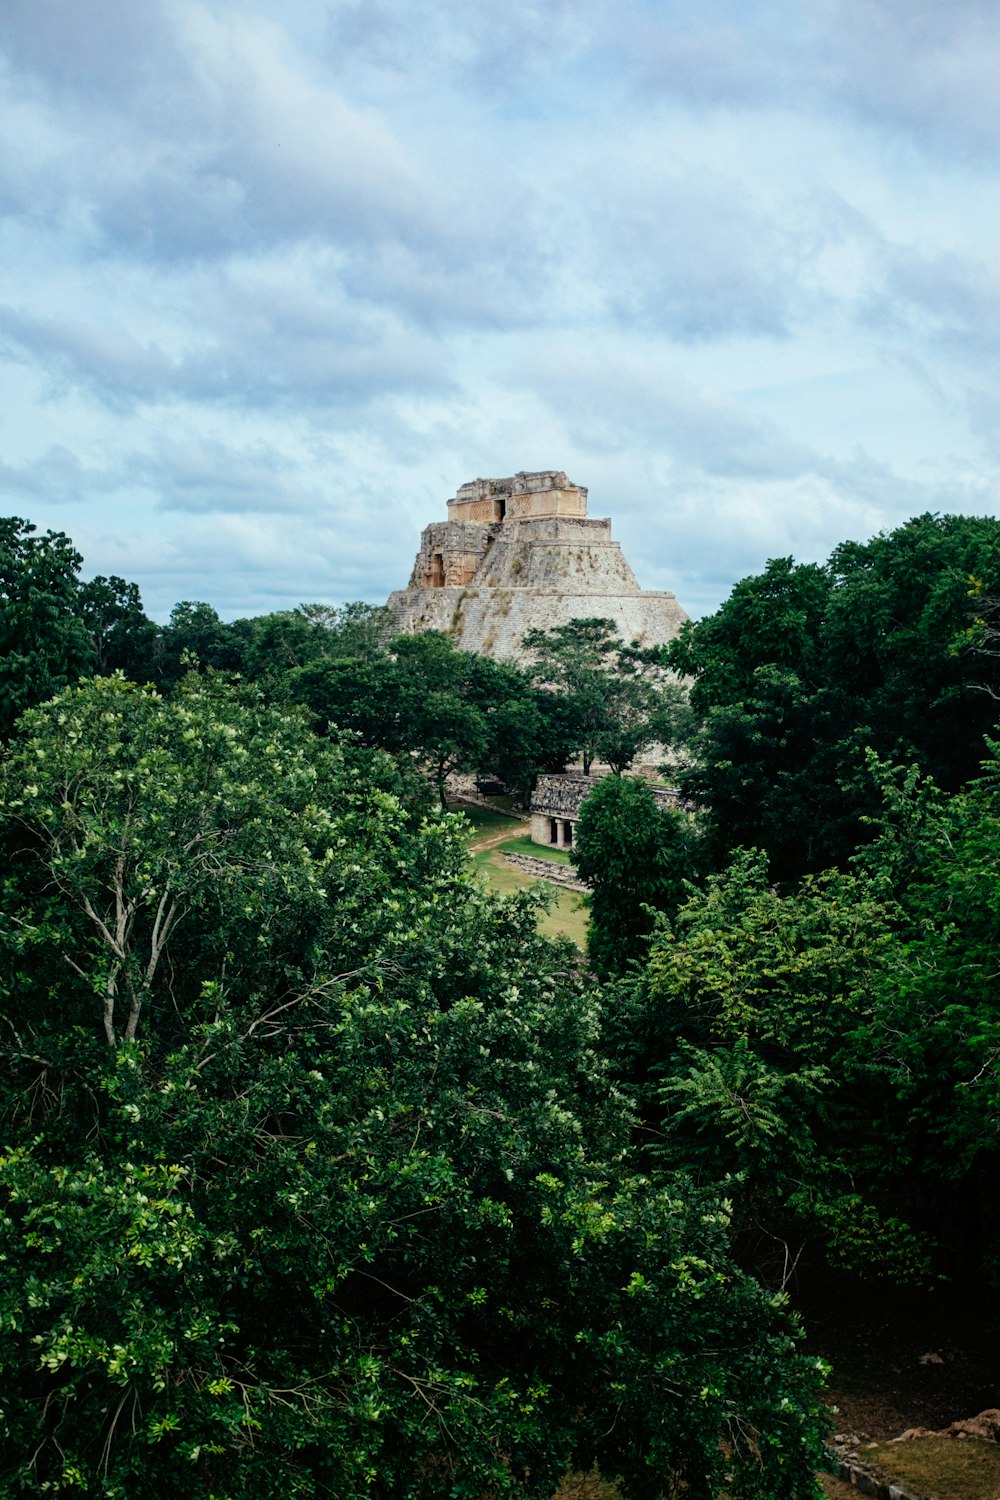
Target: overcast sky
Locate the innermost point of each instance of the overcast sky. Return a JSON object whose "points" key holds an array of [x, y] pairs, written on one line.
{"points": [[279, 275]]}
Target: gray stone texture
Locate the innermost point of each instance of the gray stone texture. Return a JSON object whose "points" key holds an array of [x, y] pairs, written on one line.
{"points": [[561, 796], [546, 869]]}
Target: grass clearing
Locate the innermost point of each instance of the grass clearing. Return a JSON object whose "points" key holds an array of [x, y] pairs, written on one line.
{"points": [[587, 1487], [567, 917], [837, 1489], [509, 802], [593, 1487], [485, 822], [524, 845], [940, 1468]]}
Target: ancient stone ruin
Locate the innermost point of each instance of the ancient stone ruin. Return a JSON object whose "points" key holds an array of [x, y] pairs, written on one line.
{"points": [[557, 800], [520, 553]]}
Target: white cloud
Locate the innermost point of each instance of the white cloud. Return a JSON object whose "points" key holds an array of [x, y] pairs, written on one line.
{"points": [[277, 277]]}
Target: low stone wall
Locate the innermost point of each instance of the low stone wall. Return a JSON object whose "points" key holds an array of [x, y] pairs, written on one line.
{"points": [[547, 869], [867, 1482], [847, 1463]]}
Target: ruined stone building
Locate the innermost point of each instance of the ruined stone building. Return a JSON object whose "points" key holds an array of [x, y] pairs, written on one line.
{"points": [[520, 553], [557, 800]]}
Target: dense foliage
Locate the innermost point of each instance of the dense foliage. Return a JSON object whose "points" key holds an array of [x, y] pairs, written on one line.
{"points": [[442, 709], [804, 669], [434, 708], [324, 1174], [44, 643], [637, 858], [833, 1049], [616, 700], [314, 1179]]}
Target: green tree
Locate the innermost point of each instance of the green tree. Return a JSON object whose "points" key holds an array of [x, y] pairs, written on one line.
{"points": [[442, 709], [124, 638], [833, 1047], [357, 695], [441, 723], [896, 638], [341, 1201], [613, 694], [637, 857], [773, 619], [196, 633], [271, 647], [521, 737], [784, 769], [355, 629], [752, 1038], [44, 643], [803, 669], [936, 1031]]}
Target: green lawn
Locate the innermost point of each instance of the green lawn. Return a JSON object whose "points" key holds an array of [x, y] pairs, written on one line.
{"points": [[567, 917], [943, 1468], [486, 821], [587, 1487], [524, 845]]}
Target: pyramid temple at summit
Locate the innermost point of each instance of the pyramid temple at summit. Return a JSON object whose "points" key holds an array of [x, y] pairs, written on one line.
{"points": [[520, 553]]}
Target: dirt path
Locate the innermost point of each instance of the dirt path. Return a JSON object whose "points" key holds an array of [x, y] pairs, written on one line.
{"points": [[495, 839]]}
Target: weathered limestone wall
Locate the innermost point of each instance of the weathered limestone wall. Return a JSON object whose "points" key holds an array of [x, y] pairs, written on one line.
{"points": [[569, 500], [450, 553], [523, 495], [541, 830], [483, 509], [560, 796], [494, 621], [557, 554]]}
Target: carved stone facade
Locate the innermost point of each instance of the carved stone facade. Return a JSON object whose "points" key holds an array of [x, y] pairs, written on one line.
{"points": [[521, 553], [450, 553], [522, 497], [557, 800]]}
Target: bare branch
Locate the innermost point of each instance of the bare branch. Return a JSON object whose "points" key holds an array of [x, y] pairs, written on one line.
{"points": [[109, 1011], [103, 929]]}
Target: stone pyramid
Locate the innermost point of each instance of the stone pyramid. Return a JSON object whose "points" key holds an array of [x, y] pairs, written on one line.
{"points": [[520, 553]]}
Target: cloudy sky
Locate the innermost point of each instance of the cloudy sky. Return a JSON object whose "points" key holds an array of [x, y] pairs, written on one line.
{"points": [[279, 275]]}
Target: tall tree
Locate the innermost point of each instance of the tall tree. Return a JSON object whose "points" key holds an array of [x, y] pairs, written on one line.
{"points": [[896, 638], [355, 629], [750, 1039], [443, 709], [44, 643], [196, 635], [773, 619], [610, 690], [937, 1023], [803, 669], [636, 856], [124, 638], [832, 1047], [273, 646]]}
